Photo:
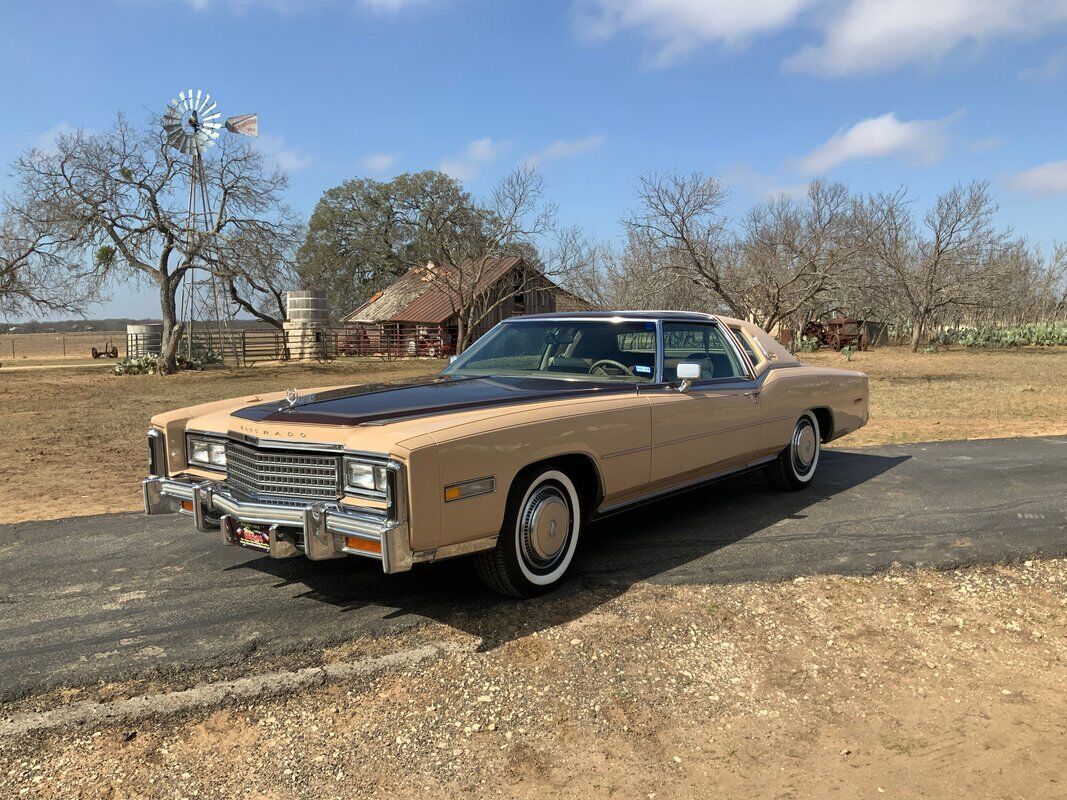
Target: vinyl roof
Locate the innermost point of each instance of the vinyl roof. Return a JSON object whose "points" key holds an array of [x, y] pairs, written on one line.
{"points": [[695, 316]]}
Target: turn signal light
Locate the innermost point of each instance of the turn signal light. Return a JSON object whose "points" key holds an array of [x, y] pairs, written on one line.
{"points": [[478, 486], [363, 545], [187, 505]]}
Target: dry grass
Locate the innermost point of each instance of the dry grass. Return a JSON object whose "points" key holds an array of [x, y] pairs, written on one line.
{"points": [[72, 440], [958, 394], [32, 348]]}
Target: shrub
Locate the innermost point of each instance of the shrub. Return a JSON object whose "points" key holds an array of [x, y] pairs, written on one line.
{"points": [[1037, 334], [148, 364]]}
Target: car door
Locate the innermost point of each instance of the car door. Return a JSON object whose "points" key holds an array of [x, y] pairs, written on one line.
{"points": [[715, 425]]}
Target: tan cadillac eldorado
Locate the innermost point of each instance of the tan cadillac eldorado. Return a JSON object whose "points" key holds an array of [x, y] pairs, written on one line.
{"points": [[547, 422]]}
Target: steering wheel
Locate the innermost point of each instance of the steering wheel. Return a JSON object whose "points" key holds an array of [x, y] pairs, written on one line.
{"points": [[610, 362]]}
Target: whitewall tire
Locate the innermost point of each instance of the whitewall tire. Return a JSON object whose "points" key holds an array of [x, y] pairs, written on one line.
{"points": [[539, 536], [795, 466]]}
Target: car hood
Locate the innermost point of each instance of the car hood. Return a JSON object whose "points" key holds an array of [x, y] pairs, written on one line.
{"points": [[436, 394]]}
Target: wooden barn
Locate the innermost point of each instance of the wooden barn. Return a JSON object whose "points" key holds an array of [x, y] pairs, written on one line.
{"points": [[417, 315]]}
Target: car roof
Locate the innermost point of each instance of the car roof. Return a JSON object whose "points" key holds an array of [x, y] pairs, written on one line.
{"points": [[696, 316]]}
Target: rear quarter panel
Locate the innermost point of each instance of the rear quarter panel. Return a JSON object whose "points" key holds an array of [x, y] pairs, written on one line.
{"points": [[788, 391]]}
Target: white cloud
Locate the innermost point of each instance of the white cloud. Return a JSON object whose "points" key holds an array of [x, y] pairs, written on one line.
{"points": [[377, 162], [756, 184], [875, 35], [677, 27], [480, 152], [47, 140], [278, 154], [854, 36], [981, 145], [565, 148], [1051, 68], [391, 5], [920, 140], [1045, 179]]}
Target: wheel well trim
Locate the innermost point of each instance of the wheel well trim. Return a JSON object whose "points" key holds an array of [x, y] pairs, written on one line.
{"points": [[567, 455]]}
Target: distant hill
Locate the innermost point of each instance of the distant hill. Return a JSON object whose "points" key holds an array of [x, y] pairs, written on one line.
{"points": [[82, 325]]}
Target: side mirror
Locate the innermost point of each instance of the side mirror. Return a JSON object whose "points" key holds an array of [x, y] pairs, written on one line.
{"points": [[687, 372]]}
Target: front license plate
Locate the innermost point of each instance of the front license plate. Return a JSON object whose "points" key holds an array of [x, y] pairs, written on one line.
{"points": [[257, 536]]}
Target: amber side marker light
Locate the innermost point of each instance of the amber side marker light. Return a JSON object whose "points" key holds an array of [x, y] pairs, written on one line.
{"points": [[457, 491], [363, 545], [187, 505]]}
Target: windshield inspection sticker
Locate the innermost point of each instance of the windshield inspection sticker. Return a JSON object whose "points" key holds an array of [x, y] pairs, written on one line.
{"points": [[644, 370]]}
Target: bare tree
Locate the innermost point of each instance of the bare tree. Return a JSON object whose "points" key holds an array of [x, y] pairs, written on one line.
{"points": [[680, 227], [465, 267], [122, 195], [633, 277], [952, 259], [797, 255], [258, 266], [35, 273], [1033, 285]]}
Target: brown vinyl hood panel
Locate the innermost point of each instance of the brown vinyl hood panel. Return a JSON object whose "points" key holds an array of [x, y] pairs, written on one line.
{"points": [[437, 394]]}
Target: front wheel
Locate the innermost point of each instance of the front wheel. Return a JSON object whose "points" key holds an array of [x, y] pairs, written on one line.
{"points": [[795, 466], [539, 536]]}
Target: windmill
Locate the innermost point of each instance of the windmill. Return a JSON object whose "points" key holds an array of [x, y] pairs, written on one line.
{"points": [[191, 125]]}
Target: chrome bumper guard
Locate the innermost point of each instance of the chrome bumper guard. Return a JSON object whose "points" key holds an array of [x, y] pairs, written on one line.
{"points": [[325, 526]]}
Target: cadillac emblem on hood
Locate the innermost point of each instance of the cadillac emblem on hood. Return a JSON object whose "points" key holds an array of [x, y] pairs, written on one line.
{"points": [[293, 396]]}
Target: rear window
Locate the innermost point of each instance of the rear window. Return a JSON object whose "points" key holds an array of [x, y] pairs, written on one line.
{"points": [[746, 345]]}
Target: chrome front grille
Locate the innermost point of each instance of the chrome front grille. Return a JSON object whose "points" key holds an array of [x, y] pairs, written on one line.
{"points": [[283, 472]]}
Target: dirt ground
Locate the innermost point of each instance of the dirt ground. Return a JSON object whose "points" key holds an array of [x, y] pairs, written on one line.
{"points": [[75, 437], [907, 684]]}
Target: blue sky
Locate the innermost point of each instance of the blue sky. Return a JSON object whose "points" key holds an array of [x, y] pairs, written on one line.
{"points": [[764, 93]]}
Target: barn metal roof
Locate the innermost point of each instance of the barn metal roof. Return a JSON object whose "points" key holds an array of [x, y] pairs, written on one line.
{"points": [[417, 297]]}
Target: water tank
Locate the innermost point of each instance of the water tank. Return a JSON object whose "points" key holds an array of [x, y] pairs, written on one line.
{"points": [[144, 339], [307, 306]]}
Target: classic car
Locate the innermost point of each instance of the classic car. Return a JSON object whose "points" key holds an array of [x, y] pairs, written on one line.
{"points": [[546, 423]]}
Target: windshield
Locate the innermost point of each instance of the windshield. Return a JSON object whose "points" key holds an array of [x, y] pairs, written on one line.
{"points": [[603, 351]]}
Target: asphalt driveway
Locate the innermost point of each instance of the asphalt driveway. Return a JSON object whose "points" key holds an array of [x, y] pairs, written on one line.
{"points": [[120, 596]]}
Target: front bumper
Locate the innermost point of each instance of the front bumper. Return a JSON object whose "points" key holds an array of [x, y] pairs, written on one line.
{"points": [[317, 530]]}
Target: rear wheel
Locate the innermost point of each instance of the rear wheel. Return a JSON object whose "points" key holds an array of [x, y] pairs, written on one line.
{"points": [[795, 466], [539, 536]]}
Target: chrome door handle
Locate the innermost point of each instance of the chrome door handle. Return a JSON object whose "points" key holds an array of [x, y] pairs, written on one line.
{"points": [[754, 395]]}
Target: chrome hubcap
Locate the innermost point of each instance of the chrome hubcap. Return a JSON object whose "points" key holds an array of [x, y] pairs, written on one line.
{"points": [[805, 446], [544, 525]]}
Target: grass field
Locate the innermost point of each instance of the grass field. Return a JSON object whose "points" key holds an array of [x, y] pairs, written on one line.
{"points": [[34, 348], [72, 440]]}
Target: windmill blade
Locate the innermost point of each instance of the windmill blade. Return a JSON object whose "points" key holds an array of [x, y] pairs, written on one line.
{"points": [[210, 108], [197, 106], [246, 124]]}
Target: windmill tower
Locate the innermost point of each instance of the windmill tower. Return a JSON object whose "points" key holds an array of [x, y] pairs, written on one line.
{"points": [[191, 124]]}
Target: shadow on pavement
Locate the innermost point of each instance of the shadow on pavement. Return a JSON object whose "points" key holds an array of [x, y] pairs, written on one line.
{"points": [[661, 542]]}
